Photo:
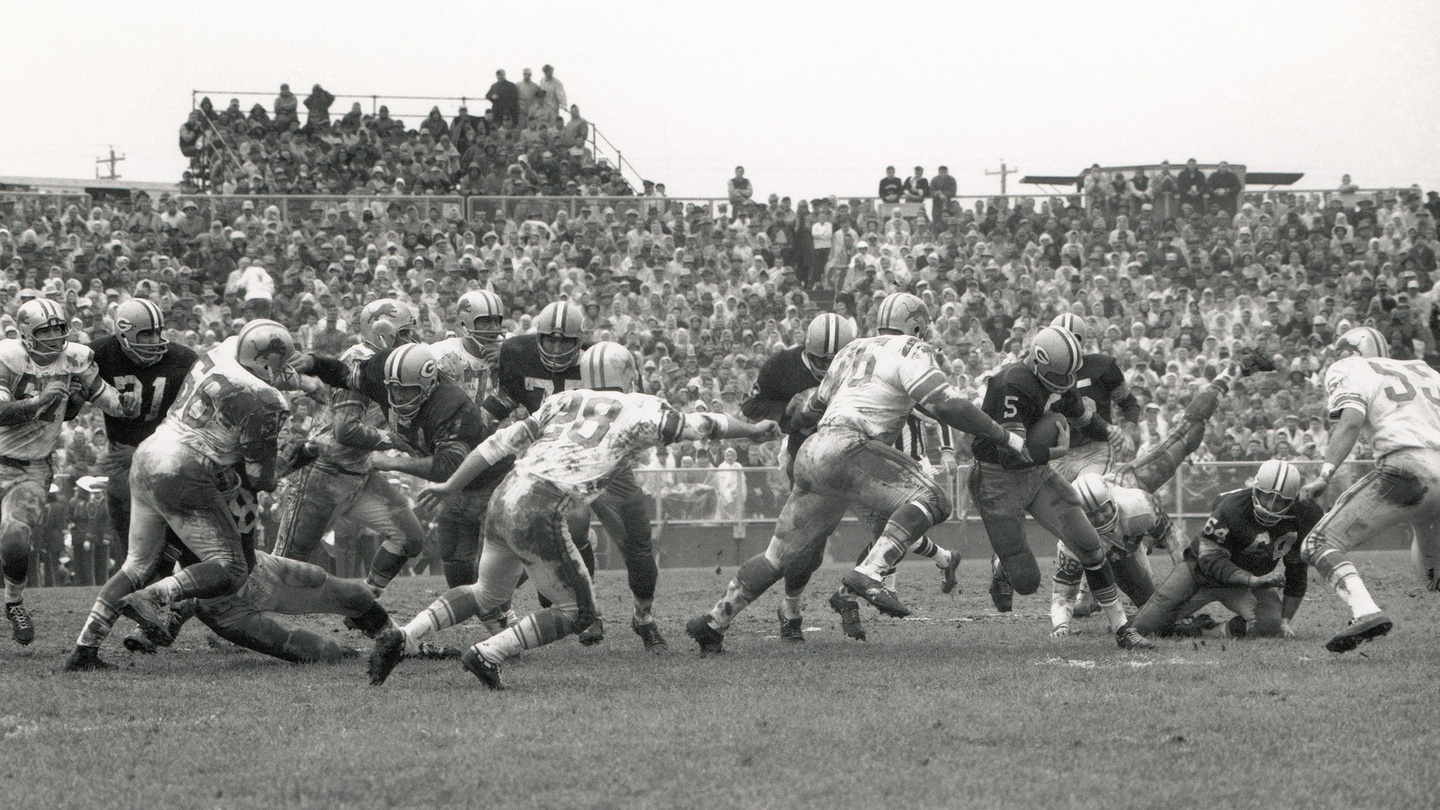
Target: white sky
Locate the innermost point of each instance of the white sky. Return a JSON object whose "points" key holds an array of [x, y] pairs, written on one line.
{"points": [[812, 98]]}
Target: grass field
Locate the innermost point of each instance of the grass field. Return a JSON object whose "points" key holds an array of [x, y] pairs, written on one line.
{"points": [[960, 707]]}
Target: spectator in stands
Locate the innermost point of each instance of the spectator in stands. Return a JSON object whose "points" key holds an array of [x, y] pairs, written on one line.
{"points": [[531, 98], [554, 99], [317, 107], [739, 191], [943, 189], [504, 98], [1193, 187], [190, 133], [890, 186], [1224, 189], [916, 187], [287, 109], [577, 131]]}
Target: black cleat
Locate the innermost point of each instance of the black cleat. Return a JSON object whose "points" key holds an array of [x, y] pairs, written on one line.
{"points": [[594, 634], [790, 629], [1194, 627], [649, 633], [86, 659], [21, 627], [849, 611], [488, 673], [1001, 592], [1130, 639], [1360, 631], [385, 656], [949, 583], [875, 592], [139, 644], [1253, 362], [435, 652], [709, 639], [147, 609]]}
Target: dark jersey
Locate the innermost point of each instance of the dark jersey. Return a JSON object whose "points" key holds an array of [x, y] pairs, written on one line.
{"points": [[782, 377], [1016, 399], [1101, 381], [447, 427], [1233, 541], [158, 386], [524, 379]]}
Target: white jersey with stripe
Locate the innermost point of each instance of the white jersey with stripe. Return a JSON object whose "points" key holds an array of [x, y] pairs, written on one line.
{"points": [[874, 383], [1400, 400], [1138, 515], [332, 452], [474, 375], [219, 396], [21, 378], [579, 439]]}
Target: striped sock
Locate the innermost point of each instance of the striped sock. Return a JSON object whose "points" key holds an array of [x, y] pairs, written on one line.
{"points": [[14, 591], [1348, 586], [98, 624]]}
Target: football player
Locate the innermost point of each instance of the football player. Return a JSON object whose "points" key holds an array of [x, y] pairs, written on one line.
{"points": [[340, 482], [868, 393], [787, 374], [1005, 488], [531, 368], [470, 359], [228, 411], [136, 359], [1123, 507], [1396, 403], [569, 451], [40, 373], [1233, 559]]}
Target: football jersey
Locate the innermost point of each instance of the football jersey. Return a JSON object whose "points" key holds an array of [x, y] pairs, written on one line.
{"points": [[474, 375], [1138, 515], [333, 454], [21, 378], [523, 379], [1232, 538], [1016, 399], [157, 384], [874, 383], [781, 377], [1101, 381], [1400, 400], [221, 407], [579, 439]]}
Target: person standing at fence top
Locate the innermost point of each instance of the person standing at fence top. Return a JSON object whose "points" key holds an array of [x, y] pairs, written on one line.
{"points": [[1163, 190], [740, 192], [554, 100], [317, 106], [1193, 189], [286, 109], [943, 190], [531, 96], [1225, 189], [504, 98], [577, 132]]}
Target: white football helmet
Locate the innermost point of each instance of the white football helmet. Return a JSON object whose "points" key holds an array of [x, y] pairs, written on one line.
{"points": [[1276, 488], [564, 321], [265, 348], [1072, 323], [1097, 501], [481, 314], [1364, 341], [904, 313], [381, 322], [139, 325], [826, 335], [1055, 358], [608, 365], [411, 375], [43, 315]]}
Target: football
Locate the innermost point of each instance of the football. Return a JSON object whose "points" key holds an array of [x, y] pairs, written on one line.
{"points": [[1045, 432]]}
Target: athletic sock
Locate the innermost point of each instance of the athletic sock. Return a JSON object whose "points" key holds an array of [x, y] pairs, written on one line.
{"points": [[642, 611], [790, 607], [883, 555], [98, 625], [926, 547], [168, 588], [453, 607], [14, 591], [1348, 586]]}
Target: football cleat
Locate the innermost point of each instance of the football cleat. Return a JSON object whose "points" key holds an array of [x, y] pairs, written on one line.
{"points": [[1001, 592], [348, 653], [949, 583], [149, 610], [875, 592], [427, 651], [488, 673], [20, 625], [594, 634], [1253, 362], [790, 629], [1085, 605], [139, 644], [1130, 639], [849, 611], [1195, 626], [649, 633], [1060, 631], [709, 639], [388, 651], [1359, 631], [86, 659]]}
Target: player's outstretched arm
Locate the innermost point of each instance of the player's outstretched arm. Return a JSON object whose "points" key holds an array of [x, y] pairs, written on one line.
{"points": [[510, 440], [960, 413], [720, 426], [1342, 440]]}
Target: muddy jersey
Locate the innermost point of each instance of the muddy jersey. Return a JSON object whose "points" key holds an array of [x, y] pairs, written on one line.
{"points": [[347, 404], [1138, 515], [158, 385], [1400, 400], [1101, 381], [474, 375], [579, 439], [1232, 538], [224, 412], [874, 383], [21, 378]]}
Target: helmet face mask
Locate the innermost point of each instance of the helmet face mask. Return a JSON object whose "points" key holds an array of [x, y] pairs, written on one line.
{"points": [[44, 330], [1276, 489], [560, 326], [1055, 358], [1097, 502], [265, 348], [138, 325], [481, 316], [411, 375]]}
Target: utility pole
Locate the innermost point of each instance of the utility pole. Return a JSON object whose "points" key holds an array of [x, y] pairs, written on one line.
{"points": [[1003, 172], [112, 160]]}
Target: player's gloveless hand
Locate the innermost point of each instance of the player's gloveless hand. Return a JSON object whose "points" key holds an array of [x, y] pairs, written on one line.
{"points": [[1314, 489], [768, 431]]}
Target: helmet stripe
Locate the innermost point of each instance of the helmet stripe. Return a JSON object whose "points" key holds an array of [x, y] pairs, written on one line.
{"points": [[832, 335]]}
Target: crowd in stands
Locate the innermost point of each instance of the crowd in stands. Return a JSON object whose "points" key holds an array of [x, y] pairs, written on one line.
{"points": [[531, 141], [1172, 285]]}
